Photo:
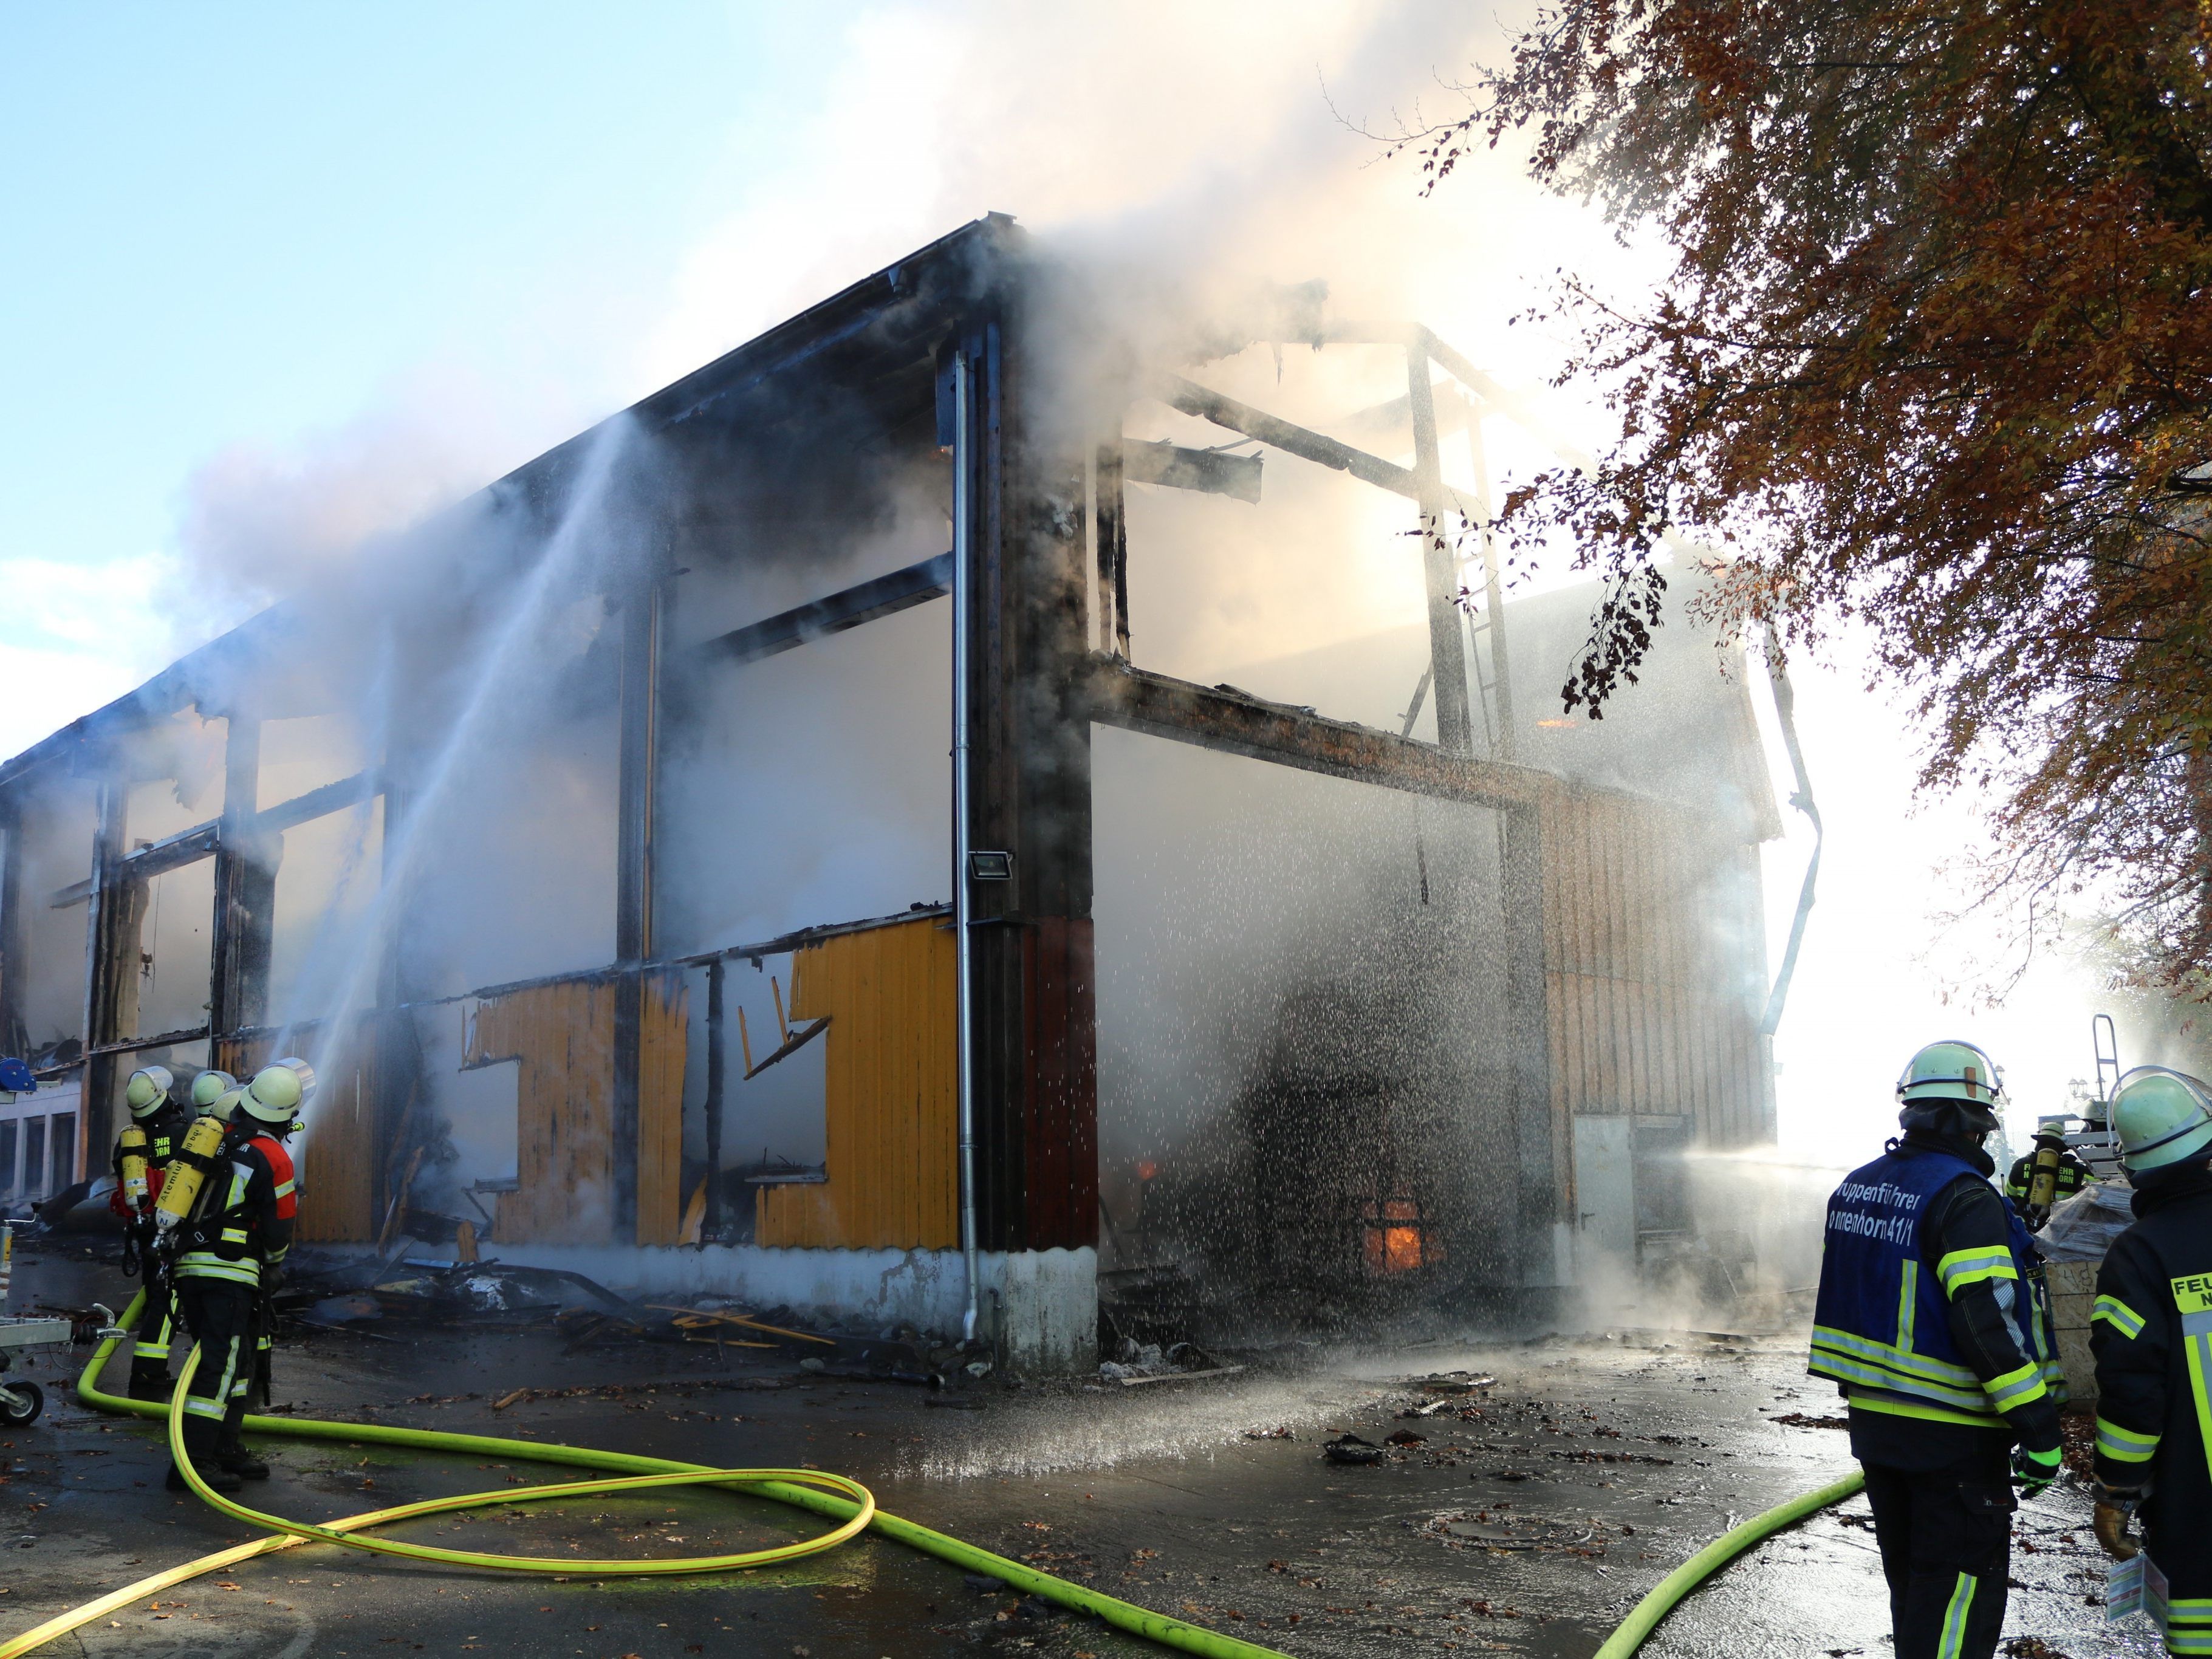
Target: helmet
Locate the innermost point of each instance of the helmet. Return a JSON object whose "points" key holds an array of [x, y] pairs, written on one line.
{"points": [[225, 1103], [209, 1087], [147, 1092], [274, 1096], [304, 1072], [1957, 1082], [2163, 1117]]}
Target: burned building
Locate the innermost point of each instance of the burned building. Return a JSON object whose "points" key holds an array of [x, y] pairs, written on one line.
{"points": [[759, 846]]}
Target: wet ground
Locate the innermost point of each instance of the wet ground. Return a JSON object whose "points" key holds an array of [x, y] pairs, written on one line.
{"points": [[1527, 1519]]}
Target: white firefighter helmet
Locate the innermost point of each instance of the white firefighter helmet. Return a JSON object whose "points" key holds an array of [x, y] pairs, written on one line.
{"points": [[147, 1092], [305, 1072], [1951, 1087], [274, 1096], [2163, 1117], [1951, 1071], [209, 1087]]}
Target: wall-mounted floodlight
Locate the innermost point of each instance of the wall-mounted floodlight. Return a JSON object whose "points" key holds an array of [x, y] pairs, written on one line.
{"points": [[990, 867]]}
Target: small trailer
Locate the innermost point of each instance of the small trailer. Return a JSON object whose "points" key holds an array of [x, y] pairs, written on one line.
{"points": [[21, 1401]]}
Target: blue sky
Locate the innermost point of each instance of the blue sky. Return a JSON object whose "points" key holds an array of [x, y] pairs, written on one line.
{"points": [[237, 223]]}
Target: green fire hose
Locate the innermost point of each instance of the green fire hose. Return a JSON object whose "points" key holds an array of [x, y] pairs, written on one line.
{"points": [[850, 1505]]}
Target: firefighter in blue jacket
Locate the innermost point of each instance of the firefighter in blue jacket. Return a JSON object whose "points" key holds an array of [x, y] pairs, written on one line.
{"points": [[1934, 1322], [2151, 1335]]}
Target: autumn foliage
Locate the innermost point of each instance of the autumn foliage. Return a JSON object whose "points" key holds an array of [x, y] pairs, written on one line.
{"points": [[1935, 356]]}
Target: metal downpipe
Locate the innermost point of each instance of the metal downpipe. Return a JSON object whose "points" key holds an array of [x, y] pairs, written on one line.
{"points": [[964, 1040]]}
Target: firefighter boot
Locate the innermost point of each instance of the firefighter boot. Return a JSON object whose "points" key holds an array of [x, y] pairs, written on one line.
{"points": [[150, 1380], [231, 1454], [201, 1438]]}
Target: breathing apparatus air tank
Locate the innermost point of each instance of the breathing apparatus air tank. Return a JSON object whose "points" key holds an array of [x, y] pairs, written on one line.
{"points": [[2043, 1172], [131, 1145], [188, 1172]]}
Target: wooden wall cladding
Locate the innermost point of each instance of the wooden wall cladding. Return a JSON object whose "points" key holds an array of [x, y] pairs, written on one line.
{"points": [[340, 1154], [1654, 968], [562, 1036], [661, 1048], [890, 1089]]}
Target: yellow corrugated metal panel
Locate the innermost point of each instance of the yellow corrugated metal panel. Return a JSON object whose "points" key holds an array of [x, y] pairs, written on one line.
{"points": [[889, 1094], [661, 1042], [562, 1037]]}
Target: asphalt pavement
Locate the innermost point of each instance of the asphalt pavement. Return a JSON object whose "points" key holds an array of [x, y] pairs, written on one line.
{"points": [[1522, 1515]]}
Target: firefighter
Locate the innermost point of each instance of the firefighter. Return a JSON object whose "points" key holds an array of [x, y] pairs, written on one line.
{"points": [[143, 1151], [158, 1324], [2070, 1177], [229, 1253], [2151, 1332], [1933, 1323]]}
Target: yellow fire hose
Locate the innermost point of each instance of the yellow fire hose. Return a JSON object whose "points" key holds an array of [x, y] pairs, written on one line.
{"points": [[846, 1502], [1644, 1617]]}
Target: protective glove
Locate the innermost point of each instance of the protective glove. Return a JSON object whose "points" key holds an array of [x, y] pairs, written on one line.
{"points": [[2114, 1505], [2034, 1470]]}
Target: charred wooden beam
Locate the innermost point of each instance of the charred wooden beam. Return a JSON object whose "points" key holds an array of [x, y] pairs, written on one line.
{"points": [[245, 895], [639, 722], [1110, 600], [111, 915], [173, 852], [1288, 437], [881, 596], [320, 803], [129, 1045], [1439, 570], [1204, 470], [203, 840], [12, 1034], [1235, 722]]}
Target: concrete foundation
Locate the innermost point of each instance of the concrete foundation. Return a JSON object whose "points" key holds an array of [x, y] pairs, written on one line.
{"points": [[1040, 1306]]}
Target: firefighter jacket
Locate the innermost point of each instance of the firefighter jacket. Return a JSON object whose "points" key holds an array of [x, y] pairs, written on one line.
{"points": [[1932, 1307], [246, 1223], [165, 1132], [2073, 1176], [2151, 1335]]}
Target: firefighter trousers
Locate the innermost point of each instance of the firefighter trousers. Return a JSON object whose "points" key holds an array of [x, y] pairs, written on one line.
{"points": [[1946, 1540], [2186, 1562], [220, 1312], [156, 1326]]}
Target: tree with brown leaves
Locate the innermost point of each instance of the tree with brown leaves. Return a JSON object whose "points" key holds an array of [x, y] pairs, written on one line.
{"points": [[1935, 357]]}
